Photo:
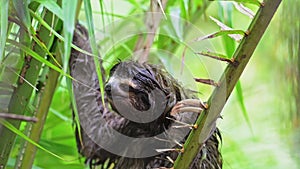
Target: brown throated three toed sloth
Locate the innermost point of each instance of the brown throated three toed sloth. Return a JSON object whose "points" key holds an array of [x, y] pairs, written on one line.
{"points": [[144, 119]]}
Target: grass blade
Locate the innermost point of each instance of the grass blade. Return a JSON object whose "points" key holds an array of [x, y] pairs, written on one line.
{"points": [[69, 11], [239, 92], [3, 26], [19, 133], [38, 57], [89, 17], [244, 10], [102, 13], [230, 33], [43, 46], [53, 7], [230, 47], [47, 26], [256, 2]]}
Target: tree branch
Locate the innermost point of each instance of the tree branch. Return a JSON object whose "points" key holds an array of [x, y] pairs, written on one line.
{"points": [[152, 20], [18, 117], [206, 121]]}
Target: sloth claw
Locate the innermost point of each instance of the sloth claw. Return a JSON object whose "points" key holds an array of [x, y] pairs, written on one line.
{"points": [[189, 105]]}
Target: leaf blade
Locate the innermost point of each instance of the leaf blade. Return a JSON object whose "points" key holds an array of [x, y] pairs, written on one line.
{"points": [[69, 11], [3, 26], [19, 133], [88, 13]]}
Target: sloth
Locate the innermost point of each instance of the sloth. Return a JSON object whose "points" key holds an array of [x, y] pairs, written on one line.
{"points": [[140, 121]]}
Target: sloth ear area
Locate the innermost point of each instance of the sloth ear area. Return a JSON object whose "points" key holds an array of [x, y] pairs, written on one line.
{"points": [[114, 68]]}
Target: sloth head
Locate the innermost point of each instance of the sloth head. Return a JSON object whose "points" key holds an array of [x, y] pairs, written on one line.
{"points": [[140, 92]]}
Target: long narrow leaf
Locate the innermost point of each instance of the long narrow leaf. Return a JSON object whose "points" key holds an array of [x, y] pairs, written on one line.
{"points": [[239, 92], [69, 11], [236, 36], [256, 2], [43, 46], [102, 13], [18, 132], [227, 82], [184, 8], [222, 33], [89, 16], [225, 15], [38, 57], [230, 47], [244, 10], [3, 26], [52, 6], [42, 22]]}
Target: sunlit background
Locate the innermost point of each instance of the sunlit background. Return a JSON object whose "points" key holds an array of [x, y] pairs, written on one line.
{"points": [[269, 84]]}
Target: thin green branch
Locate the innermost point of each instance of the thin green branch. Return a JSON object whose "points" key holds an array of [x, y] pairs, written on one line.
{"points": [[3, 26], [41, 113], [20, 98], [43, 97], [18, 117], [227, 82]]}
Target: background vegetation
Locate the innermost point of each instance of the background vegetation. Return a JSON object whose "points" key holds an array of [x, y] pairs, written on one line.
{"points": [[260, 125]]}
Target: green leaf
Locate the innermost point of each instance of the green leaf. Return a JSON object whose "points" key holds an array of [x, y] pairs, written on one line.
{"points": [[74, 108], [43, 46], [184, 4], [136, 4], [102, 13], [52, 6], [226, 24], [244, 10], [240, 97], [217, 56], [38, 57], [256, 2], [230, 48], [69, 11], [3, 26], [19, 133], [42, 22], [89, 17], [221, 33]]}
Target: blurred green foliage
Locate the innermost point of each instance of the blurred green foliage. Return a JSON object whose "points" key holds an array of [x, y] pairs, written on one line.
{"points": [[265, 85]]}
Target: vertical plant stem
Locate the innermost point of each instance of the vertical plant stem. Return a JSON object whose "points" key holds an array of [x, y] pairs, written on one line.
{"points": [[19, 100], [152, 20], [42, 112], [227, 83], [26, 157]]}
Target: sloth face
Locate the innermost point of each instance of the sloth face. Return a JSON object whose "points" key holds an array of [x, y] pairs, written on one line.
{"points": [[134, 92]]}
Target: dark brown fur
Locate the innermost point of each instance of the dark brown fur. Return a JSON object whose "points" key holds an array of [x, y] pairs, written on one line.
{"points": [[136, 81]]}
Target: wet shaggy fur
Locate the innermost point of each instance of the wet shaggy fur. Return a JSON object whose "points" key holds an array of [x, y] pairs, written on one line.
{"points": [[131, 90]]}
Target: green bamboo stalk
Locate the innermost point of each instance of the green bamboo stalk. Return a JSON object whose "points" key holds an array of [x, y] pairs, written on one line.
{"points": [[18, 101], [227, 82], [44, 98], [21, 96]]}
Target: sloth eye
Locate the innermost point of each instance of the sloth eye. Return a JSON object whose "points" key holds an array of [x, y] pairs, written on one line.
{"points": [[113, 69], [143, 96]]}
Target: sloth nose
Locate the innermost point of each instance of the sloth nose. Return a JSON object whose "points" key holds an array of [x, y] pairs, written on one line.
{"points": [[116, 88], [108, 88]]}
